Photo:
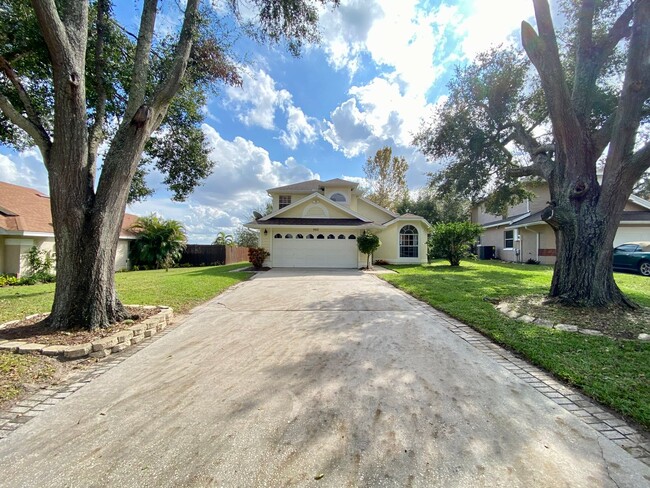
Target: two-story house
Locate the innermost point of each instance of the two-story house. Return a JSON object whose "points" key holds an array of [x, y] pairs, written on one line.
{"points": [[522, 234], [315, 224]]}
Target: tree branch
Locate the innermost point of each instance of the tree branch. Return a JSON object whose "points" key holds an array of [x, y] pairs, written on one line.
{"points": [[640, 162], [586, 71], [38, 134], [54, 32], [168, 88], [96, 130], [520, 172], [620, 30], [636, 88], [138, 88], [543, 51], [32, 115]]}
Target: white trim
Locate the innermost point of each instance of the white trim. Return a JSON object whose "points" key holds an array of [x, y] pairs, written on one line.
{"points": [[316, 205], [506, 222], [417, 218], [345, 209], [253, 225], [27, 233], [640, 201], [417, 246], [634, 222], [378, 206]]}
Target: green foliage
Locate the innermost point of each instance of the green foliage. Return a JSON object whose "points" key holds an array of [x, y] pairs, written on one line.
{"points": [[224, 239], [39, 262], [257, 256], [472, 132], [8, 280], [245, 237], [159, 242], [452, 240], [368, 243], [436, 206], [387, 177]]}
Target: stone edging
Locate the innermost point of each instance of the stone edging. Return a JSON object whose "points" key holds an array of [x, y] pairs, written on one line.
{"points": [[529, 319], [100, 348]]}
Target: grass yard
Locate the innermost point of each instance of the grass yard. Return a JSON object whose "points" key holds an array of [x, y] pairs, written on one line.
{"points": [[615, 372], [16, 370], [179, 288]]}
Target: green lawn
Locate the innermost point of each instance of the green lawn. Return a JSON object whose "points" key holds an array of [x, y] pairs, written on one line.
{"points": [[615, 372], [179, 288]]}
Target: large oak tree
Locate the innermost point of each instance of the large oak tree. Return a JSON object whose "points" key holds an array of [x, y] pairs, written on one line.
{"points": [[593, 98], [68, 102]]}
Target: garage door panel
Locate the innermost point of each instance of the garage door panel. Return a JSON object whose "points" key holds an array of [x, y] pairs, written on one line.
{"points": [[314, 253]]}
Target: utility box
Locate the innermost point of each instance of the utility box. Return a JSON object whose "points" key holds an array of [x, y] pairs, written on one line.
{"points": [[486, 252]]}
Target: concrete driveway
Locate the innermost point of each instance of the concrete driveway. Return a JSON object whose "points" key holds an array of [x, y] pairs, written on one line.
{"points": [[298, 375]]}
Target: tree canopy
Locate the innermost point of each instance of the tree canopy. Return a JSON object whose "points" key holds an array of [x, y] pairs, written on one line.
{"points": [[74, 81], [585, 102], [386, 176]]}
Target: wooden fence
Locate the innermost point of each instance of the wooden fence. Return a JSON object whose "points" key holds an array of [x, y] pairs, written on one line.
{"points": [[212, 254]]}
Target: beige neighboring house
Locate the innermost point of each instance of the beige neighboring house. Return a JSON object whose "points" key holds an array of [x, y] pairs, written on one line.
{"points": [[26, 221], [315, 224], [522, 234]]}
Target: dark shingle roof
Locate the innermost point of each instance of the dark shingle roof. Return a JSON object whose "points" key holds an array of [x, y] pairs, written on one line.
{"points": [[505, 221]]}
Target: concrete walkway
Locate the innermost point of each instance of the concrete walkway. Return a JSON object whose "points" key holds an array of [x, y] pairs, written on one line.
{"points": [[312, 378]]}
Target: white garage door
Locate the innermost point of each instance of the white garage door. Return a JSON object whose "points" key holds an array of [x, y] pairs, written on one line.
{"points": [[333, 250], [631, 234]]}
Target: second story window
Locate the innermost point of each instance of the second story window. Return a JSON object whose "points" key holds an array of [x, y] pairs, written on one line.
{"points": [[285, 200], [338, 197]]}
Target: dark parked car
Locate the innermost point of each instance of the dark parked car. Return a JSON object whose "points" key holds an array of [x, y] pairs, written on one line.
{"points": [[633, 256]]}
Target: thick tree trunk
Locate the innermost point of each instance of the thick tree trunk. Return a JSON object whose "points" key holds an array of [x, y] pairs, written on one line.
{"points": [[585, 226], [86, 244]]}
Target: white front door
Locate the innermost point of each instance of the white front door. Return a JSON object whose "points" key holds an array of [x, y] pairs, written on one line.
{"points": [[334, 250]]}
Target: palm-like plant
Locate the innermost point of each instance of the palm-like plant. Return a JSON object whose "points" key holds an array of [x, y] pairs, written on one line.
{"points": [[224, 239], [159, 243]]}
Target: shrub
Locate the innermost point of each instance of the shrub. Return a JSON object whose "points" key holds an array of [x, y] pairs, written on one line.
{"points": [[159, 242], [8, 280], [40, 262], [532, 261], [452, 240], [367, 244], [257, 255]]}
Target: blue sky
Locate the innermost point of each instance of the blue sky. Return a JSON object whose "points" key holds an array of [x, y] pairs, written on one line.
{"points": [[381, 67]]}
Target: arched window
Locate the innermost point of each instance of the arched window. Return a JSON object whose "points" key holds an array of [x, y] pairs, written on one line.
{"points": [[331, 236], [298, 236], [320, 236], [288, 236], [310, 236], [341, 236], [352, 236], [278, 236], [338, 197], [408, 242]]}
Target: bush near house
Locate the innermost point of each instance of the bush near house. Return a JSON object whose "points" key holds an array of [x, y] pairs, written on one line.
{"points": [[257, 256], [159, 244], [452, 240]]}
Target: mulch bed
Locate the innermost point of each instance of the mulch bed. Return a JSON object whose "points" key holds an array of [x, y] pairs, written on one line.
{"points": [[35, 330]]}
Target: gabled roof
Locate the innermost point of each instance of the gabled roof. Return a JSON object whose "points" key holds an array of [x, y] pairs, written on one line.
{"points": [[310, 185], [373, 204], [536, 218], [25, 211], [640, 201], [313, 186], [318, 196]]}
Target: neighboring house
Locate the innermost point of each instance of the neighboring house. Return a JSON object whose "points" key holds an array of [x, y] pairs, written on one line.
{"points": [[522, 234], [26, 221], [316, 223]]}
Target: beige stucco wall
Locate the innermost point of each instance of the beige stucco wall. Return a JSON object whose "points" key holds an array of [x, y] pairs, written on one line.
{"points": [[2, 254], [122, 255], [527, 243], [373, 213], [389, 250]]}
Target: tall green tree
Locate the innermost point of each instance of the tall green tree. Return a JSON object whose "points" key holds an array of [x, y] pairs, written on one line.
{"points": [[452, 240], [159, 242], [595, 88], [245, 237], [386, 176], [73, 80], [436, 206]]}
